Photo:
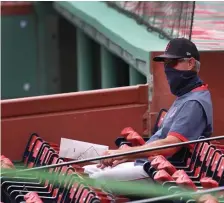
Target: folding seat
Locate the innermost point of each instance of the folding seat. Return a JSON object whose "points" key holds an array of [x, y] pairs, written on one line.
{"points": [[32, 154], [210, 162], [32, 197], [6, 163], [207, 167], [37, 181], [42, 158], [212, 165], [30, 143], [39, 153], [103, 196], [187, 158], [216, 163], [208, 183], [82, 194], [151, 167], [29, 147], [219, 171], [157, 160], [162, 176], [126, 131], [182, 183], [167, 166], [45, 156], [55, 189], [29, 162], [88, 194], [159, 120], [202, 162], [72, 191], [52, 144], [79, 191], [179, 173], [135, 139], [43, 183], [129, 139], [194, 160], [44, 151], [50, 157], [185, 182]]}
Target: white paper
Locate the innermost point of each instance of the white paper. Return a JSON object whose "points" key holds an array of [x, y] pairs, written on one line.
{"points": [[78, 150]]}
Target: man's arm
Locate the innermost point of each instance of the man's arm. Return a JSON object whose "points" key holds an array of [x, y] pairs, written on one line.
{"points": [[166, 152], [189, 125]]}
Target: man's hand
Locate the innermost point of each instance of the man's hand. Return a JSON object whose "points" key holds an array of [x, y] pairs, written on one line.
{"points": [[110, 161], [117, 162]]}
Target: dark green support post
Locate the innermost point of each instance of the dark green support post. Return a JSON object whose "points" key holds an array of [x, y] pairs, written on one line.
{"points": [[108, 69], [84, 61], [135, 77]]}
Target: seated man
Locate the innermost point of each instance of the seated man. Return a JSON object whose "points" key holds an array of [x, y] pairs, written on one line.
{"points": [[189, 117]]}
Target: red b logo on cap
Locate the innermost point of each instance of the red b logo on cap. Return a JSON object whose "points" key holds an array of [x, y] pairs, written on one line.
{"points": [[167, 47]]}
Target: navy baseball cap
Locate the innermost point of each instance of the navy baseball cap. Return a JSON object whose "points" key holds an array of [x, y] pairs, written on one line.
{"points": [[179, 48]]}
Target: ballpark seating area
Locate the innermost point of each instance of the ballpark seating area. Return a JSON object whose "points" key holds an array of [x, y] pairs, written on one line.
{"points": [[200, 169]]}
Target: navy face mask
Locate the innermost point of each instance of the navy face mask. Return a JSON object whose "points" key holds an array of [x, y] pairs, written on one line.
{"points": [[180, 81]]}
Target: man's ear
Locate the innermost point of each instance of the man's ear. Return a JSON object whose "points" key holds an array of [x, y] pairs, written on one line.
{"points": [[191, 64]]}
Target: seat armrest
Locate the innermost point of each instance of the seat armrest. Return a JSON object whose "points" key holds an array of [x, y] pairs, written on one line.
{"points": [[119, 140]]}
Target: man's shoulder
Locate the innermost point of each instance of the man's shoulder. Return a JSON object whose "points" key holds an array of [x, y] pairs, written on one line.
{"points": [[186, 104], [195, 99]]}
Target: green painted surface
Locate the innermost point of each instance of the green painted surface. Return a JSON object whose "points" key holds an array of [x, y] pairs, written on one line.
{"points": [[30, 53], [108, 69], [117, 27], [84, 61], [47, 41], [135, 77], [18, 56], [115, 24]]}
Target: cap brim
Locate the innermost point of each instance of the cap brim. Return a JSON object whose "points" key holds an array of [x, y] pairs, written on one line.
{"points": [[162, 57]]}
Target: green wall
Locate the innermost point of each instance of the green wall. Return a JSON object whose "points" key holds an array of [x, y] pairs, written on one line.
{"points": [[44, 53], [29, 53], [19, 56]]}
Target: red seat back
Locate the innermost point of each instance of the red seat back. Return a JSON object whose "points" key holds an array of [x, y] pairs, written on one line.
{"points": [[208, 183], [44, 159], [157, 160], [204, 158], [162, 176], [186, 182], [178, 173], [135, 139], [159, 120], [32, 197], [30, 147], [220, 170], [195, 156], [213, 163], [6, 163], [34, 154], [168, 167], [126, 131]]}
